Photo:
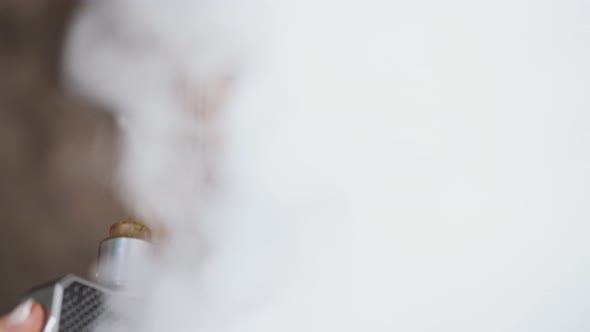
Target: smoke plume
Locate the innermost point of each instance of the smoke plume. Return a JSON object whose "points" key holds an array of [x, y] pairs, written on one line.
{"points": [[350, 165]]}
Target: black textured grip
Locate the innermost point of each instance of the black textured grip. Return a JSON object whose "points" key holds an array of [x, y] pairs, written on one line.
{"points": [[81, 307]]}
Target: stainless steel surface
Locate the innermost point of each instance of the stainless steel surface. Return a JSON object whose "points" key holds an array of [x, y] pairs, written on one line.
{"points": [[51, 297], [120, 259], [73, 304]]}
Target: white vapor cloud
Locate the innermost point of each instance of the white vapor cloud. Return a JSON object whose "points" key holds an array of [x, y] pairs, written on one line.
{"points": [[351, 165]]}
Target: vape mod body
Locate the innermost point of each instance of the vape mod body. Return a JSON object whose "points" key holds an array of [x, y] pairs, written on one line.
{"points": [[73, 304]]}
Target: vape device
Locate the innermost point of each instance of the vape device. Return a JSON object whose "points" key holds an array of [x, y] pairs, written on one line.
{"points": [[73, 304]]}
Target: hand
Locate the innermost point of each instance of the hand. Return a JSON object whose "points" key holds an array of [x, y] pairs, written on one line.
{"points": [[27, 317]]}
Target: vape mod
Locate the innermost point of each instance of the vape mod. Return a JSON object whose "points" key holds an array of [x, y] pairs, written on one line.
{"points": [[73, 304]]}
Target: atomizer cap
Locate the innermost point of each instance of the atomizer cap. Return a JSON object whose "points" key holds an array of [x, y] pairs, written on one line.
{"points": [[123, 255]]}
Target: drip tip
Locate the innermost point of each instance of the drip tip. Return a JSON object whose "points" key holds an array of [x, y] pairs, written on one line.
{"points": [[132, 229]]}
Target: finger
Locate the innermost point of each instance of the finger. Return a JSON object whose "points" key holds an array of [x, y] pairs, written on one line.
{"points": [[27, 317]]}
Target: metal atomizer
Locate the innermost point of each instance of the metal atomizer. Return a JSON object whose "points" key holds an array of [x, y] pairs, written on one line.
{"points": [[73, 304]]}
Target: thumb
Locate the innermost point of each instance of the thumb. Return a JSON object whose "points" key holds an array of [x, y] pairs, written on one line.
{"points": [[26, 317]]}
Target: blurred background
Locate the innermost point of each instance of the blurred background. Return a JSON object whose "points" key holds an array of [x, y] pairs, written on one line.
{"points": [[56, 155]]}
